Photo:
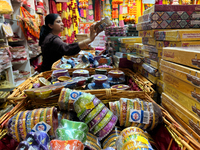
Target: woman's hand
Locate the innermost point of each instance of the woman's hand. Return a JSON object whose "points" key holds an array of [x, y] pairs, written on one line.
{"points": [[93, 33]]}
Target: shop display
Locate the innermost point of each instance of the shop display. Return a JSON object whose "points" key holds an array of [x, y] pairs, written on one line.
{"points": [[115, 31], [161, 44], [149, 41]]}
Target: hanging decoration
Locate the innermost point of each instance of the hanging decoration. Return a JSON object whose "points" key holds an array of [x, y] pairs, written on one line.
{"points": [[90, 16], [97, 10], [52, 7], [83, 5], [70, 17], [121, 20], [117, 1], [107, 10]]}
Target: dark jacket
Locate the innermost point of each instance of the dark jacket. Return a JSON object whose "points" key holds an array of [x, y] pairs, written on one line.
{"points": [[53, 48]]}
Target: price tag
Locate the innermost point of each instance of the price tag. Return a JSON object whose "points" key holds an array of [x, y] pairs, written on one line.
{"points": [[139, 116], [89, 105], [41, 126]]}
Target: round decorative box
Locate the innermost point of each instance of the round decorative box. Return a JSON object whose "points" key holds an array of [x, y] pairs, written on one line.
{"points": [[80, 73], [99, 82], [116, 77], [120, 87]]}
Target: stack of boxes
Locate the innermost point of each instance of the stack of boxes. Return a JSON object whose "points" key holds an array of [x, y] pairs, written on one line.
{"points": [[181, 77], [123, 48], [178, 58]]}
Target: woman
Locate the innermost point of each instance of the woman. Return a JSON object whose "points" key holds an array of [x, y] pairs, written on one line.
{"points": [[53, 48]]}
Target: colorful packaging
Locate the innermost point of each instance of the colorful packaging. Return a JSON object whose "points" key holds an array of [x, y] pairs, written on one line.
{"points": [[161, 44], [184, 87], [178, 35], [190, 104], [179, 111], [148, 41], [189, 75]]}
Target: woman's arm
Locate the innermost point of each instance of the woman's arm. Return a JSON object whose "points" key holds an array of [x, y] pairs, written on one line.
{"points": [[93, 34]]}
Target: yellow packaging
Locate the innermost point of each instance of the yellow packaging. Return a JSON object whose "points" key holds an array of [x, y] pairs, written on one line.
{"points": [[192, 105], [180, 35], [161, 44], [148, 41], [154, 64], [187, 89], [147, 33], [131, 40], [177, 110], [188, 56], [189, 75], [138, 46], [159, 53]]}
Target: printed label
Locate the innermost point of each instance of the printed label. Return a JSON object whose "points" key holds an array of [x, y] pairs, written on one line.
{"points": [[74, 95], [139, 116], [41, 126], [191, 35], [195, 15], [89, 105], [195, 22]]}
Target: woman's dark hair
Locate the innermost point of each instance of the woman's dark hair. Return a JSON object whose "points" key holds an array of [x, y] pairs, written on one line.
{"points": [[45, 29]]}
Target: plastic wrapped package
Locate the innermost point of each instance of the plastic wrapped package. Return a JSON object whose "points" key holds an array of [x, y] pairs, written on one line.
{"points": [[19, 61], [17, 55], [99, 82], [114, 134], [93, 112], [132, 138], [58, 73], [132, 109], [35, 140], [92, 142], [150, 48], [179, 111], [82, 73], [17, 48], [148, 41], [134, 58], [151, 70], [23, 122], [138, 46], [116, 77], [66, 145]]}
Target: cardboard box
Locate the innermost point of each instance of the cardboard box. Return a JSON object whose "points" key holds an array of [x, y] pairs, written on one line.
{"points": [[188, 56], [150, 48], [165, 8], [187, 89], [122, 62], [178, 35], [188, 103], [131, 40], [160, 53], [179, 111], [134, 58], [168, 24], [169, 15], [148, 41], [150, 70], [147, 33], [138, 46], [189, 75], [161, 44], [153, 63], [148, 75]]}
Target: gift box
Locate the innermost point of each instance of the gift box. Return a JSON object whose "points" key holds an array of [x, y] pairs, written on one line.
{"points": [[179, 111], [147, 75], [152, 63], [161, 44], [148, 41], [150, 48], [187, 89], [178, 35], [186, 74], [188, 56], [188, 103], [138, 46], [122, 62], [169, 15], [150, 69], [165, 8], [169, 24]]}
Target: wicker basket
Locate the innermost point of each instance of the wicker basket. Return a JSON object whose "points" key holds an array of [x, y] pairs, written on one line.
{"points": [[67, 57], [177, 132], [18, 93]]}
